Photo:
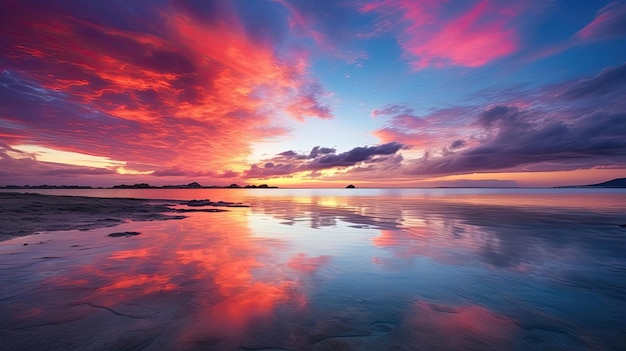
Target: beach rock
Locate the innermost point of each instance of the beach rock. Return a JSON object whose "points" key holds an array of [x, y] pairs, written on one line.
{"points": [[622, 226], [350, 187], [126, 234], [183, 210], [206, 202]]}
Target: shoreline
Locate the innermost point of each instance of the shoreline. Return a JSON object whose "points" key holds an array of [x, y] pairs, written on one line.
{"points": [[23, 214]]}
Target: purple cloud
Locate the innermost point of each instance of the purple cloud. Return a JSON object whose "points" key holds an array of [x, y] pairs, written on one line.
{"points": [[320, 158], [610, 22], [611, 80], [523, 140], [578, 124]]}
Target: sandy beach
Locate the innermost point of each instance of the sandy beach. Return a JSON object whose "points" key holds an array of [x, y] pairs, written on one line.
{"points": [[24, 214]]}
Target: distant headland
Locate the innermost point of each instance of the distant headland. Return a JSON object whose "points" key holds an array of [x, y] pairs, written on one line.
{"points": [[193, 185], [615, 183]]}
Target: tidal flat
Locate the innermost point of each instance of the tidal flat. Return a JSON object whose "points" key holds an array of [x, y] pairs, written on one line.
{"points": [[314, 270]]}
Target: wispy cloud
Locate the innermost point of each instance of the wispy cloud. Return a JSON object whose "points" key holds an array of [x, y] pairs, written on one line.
{"points": [[474, 36], [610, 81], [443, 126], [332, 26], [610, 22], [171, 89]]}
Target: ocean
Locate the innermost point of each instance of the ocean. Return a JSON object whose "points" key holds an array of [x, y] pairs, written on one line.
{"points": [[330, 269]]}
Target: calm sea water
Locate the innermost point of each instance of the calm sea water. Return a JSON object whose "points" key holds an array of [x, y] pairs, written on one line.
{"points": [[330, 269]]}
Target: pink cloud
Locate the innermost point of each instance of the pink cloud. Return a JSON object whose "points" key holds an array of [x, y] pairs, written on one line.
{"points": [[440, 127], [182, 92], [303, 263], [449, 327], [610, 22], [473, 38], [309, 103]]}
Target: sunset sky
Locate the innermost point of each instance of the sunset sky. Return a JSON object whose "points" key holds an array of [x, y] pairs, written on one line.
{"points": [[389, 93]]}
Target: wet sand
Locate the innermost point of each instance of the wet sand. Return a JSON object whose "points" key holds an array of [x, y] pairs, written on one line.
{"points": [[24, 214]]}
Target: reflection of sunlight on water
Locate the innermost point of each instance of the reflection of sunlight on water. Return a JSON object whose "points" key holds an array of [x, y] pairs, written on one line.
{"points": [[561, 201], [329, 272]]}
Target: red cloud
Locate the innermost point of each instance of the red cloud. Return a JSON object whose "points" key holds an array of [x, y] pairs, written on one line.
{"points": [[474, 38], [174, 90]]}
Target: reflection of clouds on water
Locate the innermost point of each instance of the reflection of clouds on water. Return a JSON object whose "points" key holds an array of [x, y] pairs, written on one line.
{"points": [[470, 327], [501, 235], [542, 266], [319, 212], [301, 262], [318, 273], [189, 284]]}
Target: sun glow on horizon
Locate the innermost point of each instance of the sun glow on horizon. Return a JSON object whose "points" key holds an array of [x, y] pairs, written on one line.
{"points": [[46, 154]]}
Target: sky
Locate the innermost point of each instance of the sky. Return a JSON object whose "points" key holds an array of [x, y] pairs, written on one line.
{"points": [[301, 93]]}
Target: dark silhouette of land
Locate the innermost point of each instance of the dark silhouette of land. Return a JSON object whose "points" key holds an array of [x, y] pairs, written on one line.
{"points": [[193, 185], [45, 186], [615, 183]]}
